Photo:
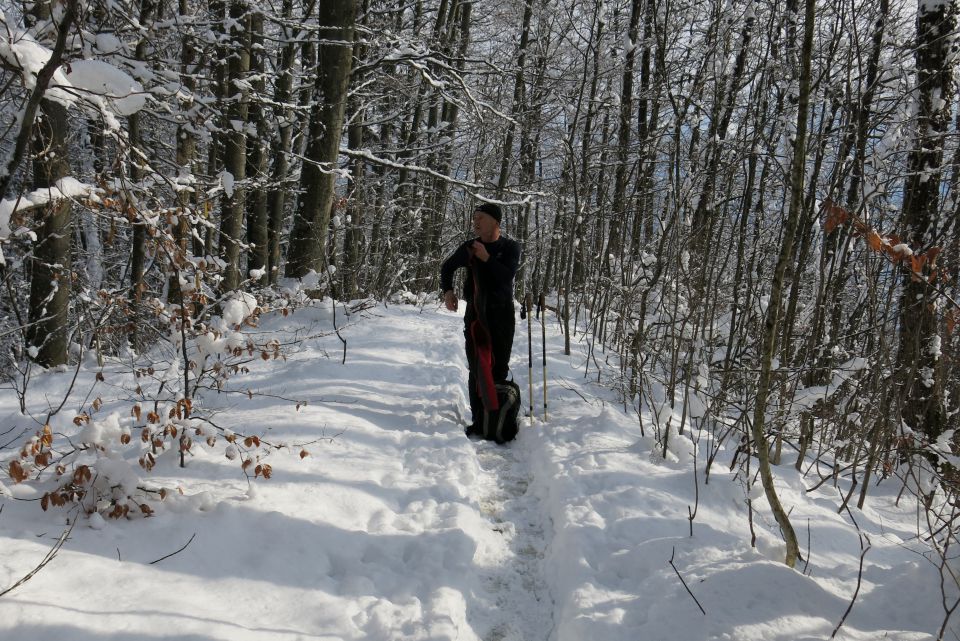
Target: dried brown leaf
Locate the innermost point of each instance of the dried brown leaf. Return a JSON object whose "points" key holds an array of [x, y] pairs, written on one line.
{"points": [[17, 473]]}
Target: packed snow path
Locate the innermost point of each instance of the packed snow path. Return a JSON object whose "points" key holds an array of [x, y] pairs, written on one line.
{"points": [[515, 604], [516, 579], [397, 527]]}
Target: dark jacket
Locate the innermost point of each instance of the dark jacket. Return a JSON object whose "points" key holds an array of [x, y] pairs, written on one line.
{"points": [[495, 276]]}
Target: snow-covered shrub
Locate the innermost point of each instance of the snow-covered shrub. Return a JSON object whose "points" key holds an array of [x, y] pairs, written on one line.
{"points": [[103, 458]]}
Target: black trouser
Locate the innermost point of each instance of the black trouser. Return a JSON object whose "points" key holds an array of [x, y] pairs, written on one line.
{"points": [[500, 324]]}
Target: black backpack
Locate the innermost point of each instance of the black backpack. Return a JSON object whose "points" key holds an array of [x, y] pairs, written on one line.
{"points": [[501, 425]]}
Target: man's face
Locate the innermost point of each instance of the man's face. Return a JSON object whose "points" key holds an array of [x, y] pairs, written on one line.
{"points": [[484, 225]]}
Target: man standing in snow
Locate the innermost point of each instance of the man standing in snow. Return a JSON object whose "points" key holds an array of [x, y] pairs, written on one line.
{"points": [[491, 261]]}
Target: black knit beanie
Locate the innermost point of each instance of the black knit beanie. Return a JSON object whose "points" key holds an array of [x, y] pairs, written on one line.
{"points": [[491, 210]]}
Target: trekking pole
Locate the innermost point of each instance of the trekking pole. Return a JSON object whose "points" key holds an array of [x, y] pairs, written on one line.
{"points": [[528, 306], [542, 313]]}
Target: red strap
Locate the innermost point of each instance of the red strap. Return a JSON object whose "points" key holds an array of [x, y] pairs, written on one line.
{"points": [[483, 352]]}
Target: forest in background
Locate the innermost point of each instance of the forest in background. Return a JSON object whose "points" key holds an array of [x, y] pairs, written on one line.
{"points": [[750, 207]]}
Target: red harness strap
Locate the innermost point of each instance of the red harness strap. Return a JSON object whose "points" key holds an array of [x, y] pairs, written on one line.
{"points": [[483, 348], [483, 357]]}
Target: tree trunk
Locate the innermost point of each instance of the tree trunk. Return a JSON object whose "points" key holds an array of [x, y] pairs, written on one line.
{"points": [[280, 146], [138, 245], [716, 136], [777, 291], [446, 128], [354, 237], [308, 239], [138, 250], [235, 148], [918, 358], [186, 152], [619, 206], [50, 268], [648, 118], [47, 334], [257, 219]]}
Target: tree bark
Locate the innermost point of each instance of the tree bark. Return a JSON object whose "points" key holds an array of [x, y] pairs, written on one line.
{"points": [[518, 98], [619, 205], [138, 249], [777, 291], [717, 134], [918, 357], [50, 267], [308, 239], [237, 100], [354, 237], [257, 219], [186, 152], [280, 146]]}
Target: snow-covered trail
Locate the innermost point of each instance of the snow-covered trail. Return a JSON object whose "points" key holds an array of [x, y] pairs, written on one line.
{"points": [[396, 527], [515, 579], [514, 603]]}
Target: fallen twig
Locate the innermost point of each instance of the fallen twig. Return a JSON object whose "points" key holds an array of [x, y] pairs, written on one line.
{"points": [[863, 554], [51, 553], [672, 554], [177, 552]]}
